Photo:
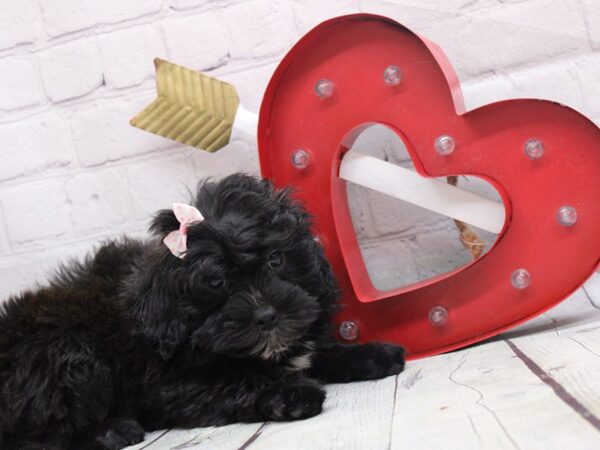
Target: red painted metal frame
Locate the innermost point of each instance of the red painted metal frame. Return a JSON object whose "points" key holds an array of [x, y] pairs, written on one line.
{"points": [[353, 51]]}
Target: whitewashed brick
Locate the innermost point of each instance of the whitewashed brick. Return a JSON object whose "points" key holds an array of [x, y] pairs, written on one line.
{"points": [[360, 213], [395, 263], [366, 205], [588, 75], [250, 84], [19, 23], [381, 142], [493, 38], [127, 55], [110, 11], [98, 200], [103, 133], [157, 183], [65, 16], [455, 6], [20, 276], [591, 12], [32, 146], [70, 70], [389, 263], [259, 28], [390, 216], [185, 4], [309, 13], [485, 90], [236, 157], [439, 251], [4, 245], [18, 84], [35, 211], [415, 15], [551, 81], [560, 18], [557, 81], [199, 42], [500, 45]]}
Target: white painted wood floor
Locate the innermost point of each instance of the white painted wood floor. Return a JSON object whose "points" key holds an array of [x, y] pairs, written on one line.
{"points": [[535, 387]]}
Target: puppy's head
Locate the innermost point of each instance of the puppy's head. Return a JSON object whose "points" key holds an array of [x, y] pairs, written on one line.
{"points": [[253, 281]]}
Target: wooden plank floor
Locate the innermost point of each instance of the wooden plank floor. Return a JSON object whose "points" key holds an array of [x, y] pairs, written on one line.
{"points": [[535, 387]]}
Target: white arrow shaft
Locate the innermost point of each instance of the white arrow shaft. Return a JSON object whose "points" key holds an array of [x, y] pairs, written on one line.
{"points": [[245, 126], [428, 193]]}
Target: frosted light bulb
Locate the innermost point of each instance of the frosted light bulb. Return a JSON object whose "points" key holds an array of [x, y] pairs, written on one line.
{"points": [[438, 315], [349, 330], [300, 159], [324, 88], [534, 148], [444, 145], [392, 75], [520, 279], [566, 216]]}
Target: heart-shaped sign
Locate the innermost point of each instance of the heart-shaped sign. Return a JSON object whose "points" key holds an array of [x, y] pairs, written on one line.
{"points": [[543, 158]]}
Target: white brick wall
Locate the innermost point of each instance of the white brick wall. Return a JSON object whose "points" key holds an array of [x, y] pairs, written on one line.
{"points": [[18, 84], [19, 22], [72, 73], [71, 70], [144, 43]]}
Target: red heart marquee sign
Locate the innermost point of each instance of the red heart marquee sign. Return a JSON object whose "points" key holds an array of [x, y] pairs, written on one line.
{"points": [[354, 71], [330, 86]]}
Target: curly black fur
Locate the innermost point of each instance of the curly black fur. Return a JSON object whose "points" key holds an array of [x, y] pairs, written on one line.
{"points": [[135, 339]]}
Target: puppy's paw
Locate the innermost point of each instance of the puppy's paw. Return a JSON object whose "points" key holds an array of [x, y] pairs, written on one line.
{"points": [[117, 433], [381, 360], [299, 400]]}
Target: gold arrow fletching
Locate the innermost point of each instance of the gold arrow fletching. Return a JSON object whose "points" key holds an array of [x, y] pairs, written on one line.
{"points": [[190, 107]]}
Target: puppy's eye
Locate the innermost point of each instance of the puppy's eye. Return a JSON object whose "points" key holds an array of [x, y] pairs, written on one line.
{"points": [[216, 282], [275, 260]]}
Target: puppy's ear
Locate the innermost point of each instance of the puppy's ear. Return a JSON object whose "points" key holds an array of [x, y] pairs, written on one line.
{"points": [[163, 222]]}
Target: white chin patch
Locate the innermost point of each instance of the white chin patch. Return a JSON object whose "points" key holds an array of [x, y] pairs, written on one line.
{"points": [[301, 362], [273, 349]]}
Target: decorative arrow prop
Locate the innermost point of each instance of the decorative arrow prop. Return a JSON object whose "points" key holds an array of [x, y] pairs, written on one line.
{"points": [[206, 113], [190, 108]]}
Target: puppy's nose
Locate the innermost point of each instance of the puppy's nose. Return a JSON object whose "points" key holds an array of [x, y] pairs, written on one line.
{"points": [[265, 317]]}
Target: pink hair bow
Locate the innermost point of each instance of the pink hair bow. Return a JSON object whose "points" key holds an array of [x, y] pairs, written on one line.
{"points": [[176, 240]]}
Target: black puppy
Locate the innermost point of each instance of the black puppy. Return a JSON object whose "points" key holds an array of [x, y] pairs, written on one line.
{"points": [[235, 329]]}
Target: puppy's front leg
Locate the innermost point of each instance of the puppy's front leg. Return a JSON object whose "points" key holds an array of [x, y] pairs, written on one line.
{"points": [[252, 399], [342, 363]]}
